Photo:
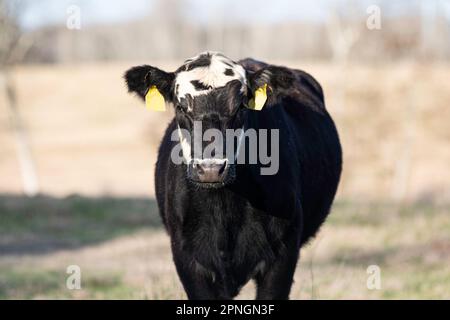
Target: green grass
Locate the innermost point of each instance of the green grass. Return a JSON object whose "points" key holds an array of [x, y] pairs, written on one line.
{"points": [[45, 223], [49, 284], [381, 213]]}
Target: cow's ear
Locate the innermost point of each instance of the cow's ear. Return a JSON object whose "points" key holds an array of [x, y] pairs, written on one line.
{"points": [[266, 83], [151, 84]]}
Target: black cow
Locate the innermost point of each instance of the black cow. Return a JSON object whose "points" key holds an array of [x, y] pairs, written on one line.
{"points": [[228, 223]]}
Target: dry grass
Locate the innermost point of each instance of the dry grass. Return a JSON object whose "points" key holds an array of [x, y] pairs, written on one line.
{"points": [[90, 138]]}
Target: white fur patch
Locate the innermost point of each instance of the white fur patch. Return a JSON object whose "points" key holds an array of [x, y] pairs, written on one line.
{"points": [[212, 76], [241, 137], [209, 161], [185, 146]]}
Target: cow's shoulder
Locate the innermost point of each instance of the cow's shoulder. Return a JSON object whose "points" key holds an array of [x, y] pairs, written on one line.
{"points": [[309, 82]]}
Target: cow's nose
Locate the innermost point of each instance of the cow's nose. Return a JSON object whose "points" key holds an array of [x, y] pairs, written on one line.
{"points": [[210, 171]]}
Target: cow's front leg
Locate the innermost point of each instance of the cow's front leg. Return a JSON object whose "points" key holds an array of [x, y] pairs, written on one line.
{"points": [[275, 282], [197, 282]]}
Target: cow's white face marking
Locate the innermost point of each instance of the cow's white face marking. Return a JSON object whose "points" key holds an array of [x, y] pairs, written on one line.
{"points": [[195, 80], [186, 149], [209, 161], [185, 145], [241, 137]]}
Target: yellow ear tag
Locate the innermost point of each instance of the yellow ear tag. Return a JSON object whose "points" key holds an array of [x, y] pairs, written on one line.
{"points": [[257, 103], [154, 100]]}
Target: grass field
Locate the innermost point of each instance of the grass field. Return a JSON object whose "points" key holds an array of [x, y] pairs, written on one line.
{"points": [[123, 252], [95, 147]]}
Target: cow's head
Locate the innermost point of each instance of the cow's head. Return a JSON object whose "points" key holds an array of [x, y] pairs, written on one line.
{"points": [[209, 89]]}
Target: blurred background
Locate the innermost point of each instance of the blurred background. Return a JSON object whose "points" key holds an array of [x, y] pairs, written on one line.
{"points": [[77, 152]]}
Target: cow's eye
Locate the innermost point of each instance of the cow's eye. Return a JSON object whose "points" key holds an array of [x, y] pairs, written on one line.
{"points": [[237, 110], [237, 115], [183, 116], [181, 108]]}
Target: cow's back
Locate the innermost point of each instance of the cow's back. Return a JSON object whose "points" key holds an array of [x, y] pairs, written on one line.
{"points": [[309, 148]]}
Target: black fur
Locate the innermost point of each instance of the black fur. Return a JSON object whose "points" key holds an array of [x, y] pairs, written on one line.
{"points": [[203, 60], [229, 72], [253, 227], [139, 79], [199, 86]]}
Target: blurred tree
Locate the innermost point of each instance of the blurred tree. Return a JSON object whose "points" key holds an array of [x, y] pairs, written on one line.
{"points": [[344, 31], [13, 47]]}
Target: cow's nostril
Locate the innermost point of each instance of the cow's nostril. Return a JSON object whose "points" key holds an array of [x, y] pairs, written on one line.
{"points": [[222, 168], [210, 170], [200, 169]]}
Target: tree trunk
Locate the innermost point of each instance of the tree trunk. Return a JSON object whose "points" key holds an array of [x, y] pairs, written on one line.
{"points": [[24, 154]]}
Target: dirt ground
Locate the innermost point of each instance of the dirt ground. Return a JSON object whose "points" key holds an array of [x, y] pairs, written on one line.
{"points": [[95, 149]]}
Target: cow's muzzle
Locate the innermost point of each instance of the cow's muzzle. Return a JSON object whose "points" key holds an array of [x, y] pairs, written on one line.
{"points": [[208, 171]]}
